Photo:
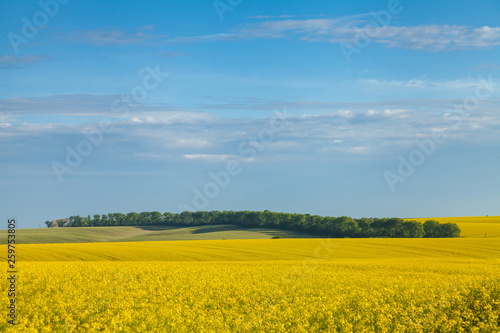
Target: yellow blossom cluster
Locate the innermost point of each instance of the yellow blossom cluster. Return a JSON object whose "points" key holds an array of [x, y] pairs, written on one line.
{"points": [[426, 294]]}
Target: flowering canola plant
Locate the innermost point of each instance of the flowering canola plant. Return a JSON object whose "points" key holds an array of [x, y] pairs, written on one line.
{"points": [[268, 286]]}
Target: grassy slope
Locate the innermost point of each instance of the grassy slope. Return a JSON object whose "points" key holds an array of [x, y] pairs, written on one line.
{"points": [[472, 227], [147, 233], [138, 244]]}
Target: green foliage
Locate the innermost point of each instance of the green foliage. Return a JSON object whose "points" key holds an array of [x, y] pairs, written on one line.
{"points": [[431, 228], [449, 230], [436, 230], [343, 226]]}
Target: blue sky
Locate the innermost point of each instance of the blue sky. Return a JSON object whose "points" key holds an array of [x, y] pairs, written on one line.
{"points": [[359, 108]]}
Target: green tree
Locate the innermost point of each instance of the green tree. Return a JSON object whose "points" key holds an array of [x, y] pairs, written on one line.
{"points": [[297, 222], [185, 218], [449, 230], [132, 218], [431, 228], [168, 218], [413, 229], [78, 221], [120, 219], [199, 218], [345, 226], [365, 226], [111, 219], [156, 218]]}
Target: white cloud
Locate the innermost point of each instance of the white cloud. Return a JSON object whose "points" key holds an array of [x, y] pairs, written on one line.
{"points": [[347, 30], [358, 128], [312, 108], [152, 156], [10, 62], [111, 36], [210, 157], [282, 145], [189, 143], [426, 83], [166, 117], [394, 113], [94, 105]]}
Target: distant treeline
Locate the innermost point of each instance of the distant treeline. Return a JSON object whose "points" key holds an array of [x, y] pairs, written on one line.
{"points": [[327, 226]]}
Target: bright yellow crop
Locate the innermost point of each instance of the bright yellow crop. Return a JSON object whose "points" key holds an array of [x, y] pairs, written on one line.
{"points": [[472, 226], [279, 285], [281, 296], [261, 249]]}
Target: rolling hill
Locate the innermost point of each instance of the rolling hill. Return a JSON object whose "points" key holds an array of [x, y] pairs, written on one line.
{"points": [[472, 227], [147, 233]]}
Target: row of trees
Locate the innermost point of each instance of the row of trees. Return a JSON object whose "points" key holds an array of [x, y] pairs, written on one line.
{"points": [[327, 226]]}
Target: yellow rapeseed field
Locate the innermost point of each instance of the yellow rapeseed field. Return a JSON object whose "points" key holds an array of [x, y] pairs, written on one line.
{"points": [[262, 249], [386, 295], [472, 226], [273, 285]]}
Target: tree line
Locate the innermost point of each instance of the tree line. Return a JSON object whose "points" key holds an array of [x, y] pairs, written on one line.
{"points": [[343, 226]]}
